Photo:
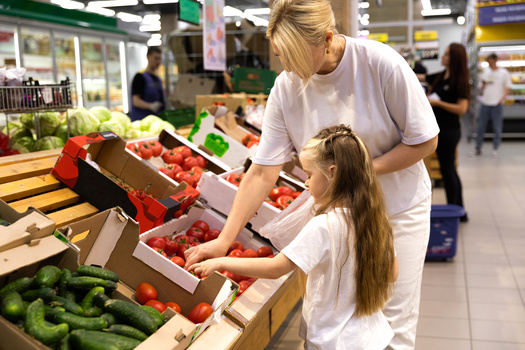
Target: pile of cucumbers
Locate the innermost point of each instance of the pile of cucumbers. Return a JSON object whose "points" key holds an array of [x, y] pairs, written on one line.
{"points": [[73, 310]]}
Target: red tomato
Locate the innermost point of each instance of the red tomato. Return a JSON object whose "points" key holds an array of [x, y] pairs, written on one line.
{"points": [[172, 157], [168, 172], [145, 292], [181, 239], [193, 241], [271, 256], [296, 194], [160, 251], [156, 242], [196, 174], [184, 176], [195, 232], [134, 148], [156, 304], [211, 235], [176, 168], [201, 161], [280, 191], [156, 148], [203, 225], [236, 253], [250, 253], [185, 151], [182, 248], [264, 251], [272, 203], [284, 201], [234, 179], [177, 260], [233, 276], [251, 143], [145, 151], [247, 138], [174, 306], [200, 313], [171, 247], [236, 245], [243, 285], [189, 162]]}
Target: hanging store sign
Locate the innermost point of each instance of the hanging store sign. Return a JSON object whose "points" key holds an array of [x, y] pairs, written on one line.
{"points": [[501, 14], [381, 37], [189, 11], [427, 50], [425, 35], [214, 38]]}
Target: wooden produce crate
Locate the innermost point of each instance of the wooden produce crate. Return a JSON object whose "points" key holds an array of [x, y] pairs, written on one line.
{"points": [[25, 181]]}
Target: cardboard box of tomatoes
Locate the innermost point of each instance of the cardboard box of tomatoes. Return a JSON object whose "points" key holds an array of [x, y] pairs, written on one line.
{"points": [[99, 168], [21, 228], [234, 102]]}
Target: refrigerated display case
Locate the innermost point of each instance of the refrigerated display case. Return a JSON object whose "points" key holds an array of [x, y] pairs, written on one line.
{"points": [[37, 57], [7, 46], [114, 74], [92, 57], [65, 57]]}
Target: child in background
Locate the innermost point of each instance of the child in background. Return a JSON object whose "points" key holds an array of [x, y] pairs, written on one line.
{"points": [[347, 249]]}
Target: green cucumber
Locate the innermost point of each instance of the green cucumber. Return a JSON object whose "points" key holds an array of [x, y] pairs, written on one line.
{"points": [[79, 322], [69, 305], [100, 299], [46, 294], [65, 344], [127, 331], [132, 314], [20, 285], [88, 283], [12, 307], [62, 285], [35, 327], [47, 276], [110, 318], [87, 302], [159, 319], [50, 312], [94, 271], [94, 340], [93, 311]]}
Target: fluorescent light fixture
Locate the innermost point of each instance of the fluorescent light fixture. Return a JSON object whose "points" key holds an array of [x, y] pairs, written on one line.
{"points": [[156, 36], [436, 12], [113, 3], [364, 32], [513, 63], [100, 10], [238, 24], [151, 19], [124, 76], [502, 48], [363, 5], [364, 21], [17, 51], [69, 4], [79, 73], [154, 42], [484, 64], [260, 11], [150, 28], [366, 16], [258, 21], [229, 11], [129, 17], [154, 2], [426, 5], [460, 20]]}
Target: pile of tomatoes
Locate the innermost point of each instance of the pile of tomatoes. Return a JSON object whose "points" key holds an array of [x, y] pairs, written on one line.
{"points": [[181, 165], [145, 149], [147, 295], [250, 139]]}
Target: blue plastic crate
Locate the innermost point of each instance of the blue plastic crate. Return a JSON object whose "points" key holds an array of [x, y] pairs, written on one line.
{"points": [[444, 225]]}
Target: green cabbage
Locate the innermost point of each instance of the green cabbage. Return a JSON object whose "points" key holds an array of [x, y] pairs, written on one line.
{"points": [[145, 124], [27, 120], [49, 142], [62, 132], [27, 142], [158, 126], [123, 119], [136, 125], [102, 113], [82, 122], [49, 122], [17, 130], [113, 125]]}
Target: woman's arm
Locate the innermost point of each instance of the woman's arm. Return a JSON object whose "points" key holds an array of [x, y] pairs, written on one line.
{"points": [[395, 271], [270, 268], [457, 108], [402, 156], [254, 188]]}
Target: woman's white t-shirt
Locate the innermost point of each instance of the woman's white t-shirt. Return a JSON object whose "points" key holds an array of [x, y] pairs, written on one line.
{"points": [[328, 314], [376, 93]]}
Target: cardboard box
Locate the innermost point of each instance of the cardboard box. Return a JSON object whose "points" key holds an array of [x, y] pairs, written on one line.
{"points": [[187, 87], [225, 143], [234, 102], [24, 228], [118, 164], [223, 335]]}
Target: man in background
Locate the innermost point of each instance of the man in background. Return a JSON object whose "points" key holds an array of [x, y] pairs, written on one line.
{"points": [[146, 89], [495, 86]]}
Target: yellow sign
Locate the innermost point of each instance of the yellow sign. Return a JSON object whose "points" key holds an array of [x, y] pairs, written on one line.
{"points": [[381, 37], [425, 35]]}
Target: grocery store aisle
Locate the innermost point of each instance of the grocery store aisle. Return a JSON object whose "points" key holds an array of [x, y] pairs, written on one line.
{"points": [[477, 300]]}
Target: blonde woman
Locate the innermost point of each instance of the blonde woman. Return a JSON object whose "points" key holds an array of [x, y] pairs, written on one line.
{"points": [[347, 249], [330, 80]]}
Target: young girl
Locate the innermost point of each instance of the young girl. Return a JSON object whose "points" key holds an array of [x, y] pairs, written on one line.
{"points": [[346, 250]]}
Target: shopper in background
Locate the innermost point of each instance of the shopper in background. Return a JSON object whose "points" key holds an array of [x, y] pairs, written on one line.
{"points": [[449, 97], [330, 80], [355, 266], [495, 86], [146, 89]]}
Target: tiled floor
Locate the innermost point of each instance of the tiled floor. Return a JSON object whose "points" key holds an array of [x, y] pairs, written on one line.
{"points": [[477, 300]]}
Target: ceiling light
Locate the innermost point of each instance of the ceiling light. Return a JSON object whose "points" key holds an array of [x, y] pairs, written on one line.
{"points": [[149, 28], [460, 20], [68, 4], [100, 10], [502, 48], [258, 21], [156, 36], [366, 16], [113, 3], [150, 19], [436, 12], [363, 5], [364, 32], [128, 17], [154, 42], [364, 21], [259, 11], [154, 2], [426, 5], [229, 11], [238, 24]]}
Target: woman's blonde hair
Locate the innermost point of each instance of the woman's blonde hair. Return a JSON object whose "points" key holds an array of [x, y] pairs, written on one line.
{"points": [[296, 25], [355, 186]]}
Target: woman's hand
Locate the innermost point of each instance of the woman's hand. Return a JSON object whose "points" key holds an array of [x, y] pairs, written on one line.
{"points": [[212, 249], [206, 267], [434, 102]]}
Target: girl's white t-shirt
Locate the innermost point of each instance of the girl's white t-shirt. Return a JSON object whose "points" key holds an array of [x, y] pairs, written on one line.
{"points": [[328, 313], [376, 93]]}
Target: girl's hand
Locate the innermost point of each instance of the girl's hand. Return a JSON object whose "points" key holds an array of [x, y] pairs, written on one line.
{"points": [[206, 267]]}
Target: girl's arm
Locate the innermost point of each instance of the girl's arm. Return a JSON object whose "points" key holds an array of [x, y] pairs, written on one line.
{"points": [[395, 271], [457, 108], [270, 268]]}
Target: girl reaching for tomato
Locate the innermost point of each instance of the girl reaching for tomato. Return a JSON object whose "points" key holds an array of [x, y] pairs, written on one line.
{"points": [[338, 312]]}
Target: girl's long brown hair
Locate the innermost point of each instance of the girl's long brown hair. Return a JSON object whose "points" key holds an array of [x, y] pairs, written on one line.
{"points": [[355, 186], [458, 71]]}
